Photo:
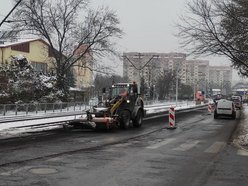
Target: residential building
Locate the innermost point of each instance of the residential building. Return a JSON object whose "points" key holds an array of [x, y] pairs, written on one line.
{"points": [[221, 77], [197, 74], [37, 51], [149, 65], [174, 62], [83, 70]]}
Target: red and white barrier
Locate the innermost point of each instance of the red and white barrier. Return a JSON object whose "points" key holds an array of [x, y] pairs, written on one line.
{"points": [[172, 118]]}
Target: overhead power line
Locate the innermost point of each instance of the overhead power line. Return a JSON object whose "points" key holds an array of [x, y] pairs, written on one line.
{"points": [[6, 17]]}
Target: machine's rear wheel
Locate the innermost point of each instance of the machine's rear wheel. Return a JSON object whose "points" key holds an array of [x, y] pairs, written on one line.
{"points": [[137, 122], [125, 119], [66, 127], [215, 115], [234, 115]]}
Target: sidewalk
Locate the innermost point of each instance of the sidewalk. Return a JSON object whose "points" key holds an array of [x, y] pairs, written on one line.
{"points": [[241, 134]]}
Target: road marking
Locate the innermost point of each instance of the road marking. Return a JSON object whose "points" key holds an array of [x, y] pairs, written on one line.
{"points": [[15, 171], [242, 153], [187, 146], [160, 144], [216, 147]]}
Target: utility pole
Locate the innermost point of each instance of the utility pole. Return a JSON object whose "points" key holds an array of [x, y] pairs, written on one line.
{"points": [[177, 69], [140, 69], [194, 91], [176, 88]]}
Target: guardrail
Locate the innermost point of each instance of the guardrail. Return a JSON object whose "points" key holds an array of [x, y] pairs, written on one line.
{"points": [[37, 108], [47, 108]]}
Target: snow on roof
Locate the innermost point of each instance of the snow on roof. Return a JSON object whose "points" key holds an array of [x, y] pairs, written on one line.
{"points": [[216, 90], [6, 44], [75, 89], [242, 89]]}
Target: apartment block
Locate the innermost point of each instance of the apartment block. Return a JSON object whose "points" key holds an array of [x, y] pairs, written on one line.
{"points": [[221, 76], [197, 74], [150, 65]]}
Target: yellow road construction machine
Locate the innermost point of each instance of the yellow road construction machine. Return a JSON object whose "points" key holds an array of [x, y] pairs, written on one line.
{"points": [[122, 108]]}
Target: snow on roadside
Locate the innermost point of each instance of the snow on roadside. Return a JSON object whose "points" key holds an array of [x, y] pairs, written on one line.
{"points": [[21, 132], [11, 129], [242, 133]]}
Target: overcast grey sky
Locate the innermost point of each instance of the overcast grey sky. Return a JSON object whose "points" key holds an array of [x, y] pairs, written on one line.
{"points": [[149, 25]]}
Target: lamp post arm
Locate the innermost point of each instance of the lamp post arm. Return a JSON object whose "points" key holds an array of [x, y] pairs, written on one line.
{"points": [[148, 61], [131, 62], [143, 65]]}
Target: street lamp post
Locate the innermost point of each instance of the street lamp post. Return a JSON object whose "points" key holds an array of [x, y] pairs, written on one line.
{"points": [[153, 94], [176, 88], [177, 70], [194, 91]]}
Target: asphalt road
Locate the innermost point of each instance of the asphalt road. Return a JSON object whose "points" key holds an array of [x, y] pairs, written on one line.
{"points": [[198, 152]]}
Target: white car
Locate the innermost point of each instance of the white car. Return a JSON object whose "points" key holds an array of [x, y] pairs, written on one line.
{"points": [[225, 108]]}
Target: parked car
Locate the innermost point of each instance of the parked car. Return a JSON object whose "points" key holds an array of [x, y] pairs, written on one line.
{"points": [[225, 108]]}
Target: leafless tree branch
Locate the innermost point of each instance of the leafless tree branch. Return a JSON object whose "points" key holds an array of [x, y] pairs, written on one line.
{"points": [[72, 37]]}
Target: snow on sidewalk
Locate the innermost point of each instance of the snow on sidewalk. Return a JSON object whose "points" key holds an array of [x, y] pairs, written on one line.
{"points": [[242, 132]]}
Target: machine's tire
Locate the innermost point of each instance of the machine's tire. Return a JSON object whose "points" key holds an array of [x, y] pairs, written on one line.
{"points": [[67, 128], [125, 119], [137, 122], [215, 115], [234, 115]]}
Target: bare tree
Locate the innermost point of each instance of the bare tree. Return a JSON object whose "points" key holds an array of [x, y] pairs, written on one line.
{"points": [[72, 36], [106, 81], [166, 84], [217, 27]]}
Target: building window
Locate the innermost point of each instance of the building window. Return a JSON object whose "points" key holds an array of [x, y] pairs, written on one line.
{"points": [[40, 67], [24, 47]]}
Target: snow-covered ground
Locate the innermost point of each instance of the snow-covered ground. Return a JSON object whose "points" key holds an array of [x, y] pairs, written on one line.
{"points": [[242, 132], [16, 128]]}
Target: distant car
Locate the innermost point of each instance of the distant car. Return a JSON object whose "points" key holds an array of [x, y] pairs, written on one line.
{"points": [[237, 100], [225, 108]]}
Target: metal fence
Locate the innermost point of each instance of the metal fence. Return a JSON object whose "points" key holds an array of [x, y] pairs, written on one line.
{"points": [[26, 109], [46, 108]]}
